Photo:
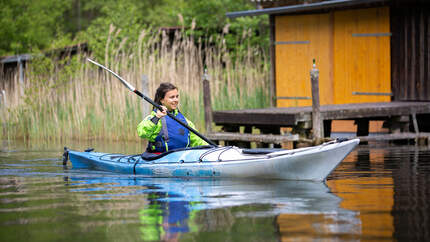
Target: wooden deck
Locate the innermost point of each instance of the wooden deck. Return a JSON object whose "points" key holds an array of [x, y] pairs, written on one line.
{"points": [[287, 117], [399, 116]]}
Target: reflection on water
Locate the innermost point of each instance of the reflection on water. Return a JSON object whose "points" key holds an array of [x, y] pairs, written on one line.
{"points": [[375, 194], [176, 206]]}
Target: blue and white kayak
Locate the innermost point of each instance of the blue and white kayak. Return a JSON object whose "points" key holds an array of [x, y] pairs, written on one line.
{"points": [[310, 163]]}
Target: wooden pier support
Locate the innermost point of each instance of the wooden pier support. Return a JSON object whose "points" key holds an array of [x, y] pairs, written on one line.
{"points": [[146, 107], [207, 102], [317, 127]]}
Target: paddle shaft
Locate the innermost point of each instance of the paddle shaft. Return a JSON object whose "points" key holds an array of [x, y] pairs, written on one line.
{"points": [[131, 88]]}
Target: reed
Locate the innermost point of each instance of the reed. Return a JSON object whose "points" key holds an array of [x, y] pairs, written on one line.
{"points": [[72, 99]]}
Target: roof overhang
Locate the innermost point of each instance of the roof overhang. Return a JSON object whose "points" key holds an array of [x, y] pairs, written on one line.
{"points": [[27, 57], [305, 7], [15, 58]]}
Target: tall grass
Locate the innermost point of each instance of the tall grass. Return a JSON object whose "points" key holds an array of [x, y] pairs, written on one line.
{"points": [[72, 99]]}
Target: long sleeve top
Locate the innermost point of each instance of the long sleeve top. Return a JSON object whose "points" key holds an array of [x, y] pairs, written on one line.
{"points": [[149, 130]]}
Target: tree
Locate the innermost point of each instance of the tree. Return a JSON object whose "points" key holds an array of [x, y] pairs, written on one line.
{"points": [[30, 25], [210, 18]]}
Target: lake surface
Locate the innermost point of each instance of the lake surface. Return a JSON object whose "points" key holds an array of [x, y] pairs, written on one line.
{"points": [[377, 193]]}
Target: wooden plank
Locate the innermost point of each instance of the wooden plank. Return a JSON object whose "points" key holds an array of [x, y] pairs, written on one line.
{"points": [[427, 81], [396, 30], [368, 110], [427, 86], [279, 139], [398, 136], [406, 56], [412, 54], [421, 70], [264, 138]]}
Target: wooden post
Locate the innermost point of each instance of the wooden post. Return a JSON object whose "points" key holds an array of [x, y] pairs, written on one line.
{"points": [[317, 129], [415, 123], [416, 129], [207, 102], [4, 98], [273, 102], [146, 108], [21, 71]]}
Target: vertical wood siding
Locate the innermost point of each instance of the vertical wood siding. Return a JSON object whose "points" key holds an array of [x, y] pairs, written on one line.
{"points": [[410, 48], [298, 40], [362, 55], [352, 52]]}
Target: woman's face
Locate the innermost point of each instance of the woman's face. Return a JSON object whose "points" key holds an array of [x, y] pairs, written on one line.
{"points": [[171, 100]]}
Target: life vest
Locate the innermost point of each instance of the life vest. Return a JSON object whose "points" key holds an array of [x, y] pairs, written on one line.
{"points": [[172, 135]]}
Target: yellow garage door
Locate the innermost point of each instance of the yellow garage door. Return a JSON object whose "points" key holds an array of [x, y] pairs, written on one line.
{"points": [[298, 40], [362, 56]]}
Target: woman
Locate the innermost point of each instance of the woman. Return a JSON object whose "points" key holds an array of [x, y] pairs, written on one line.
{"points": [[162, 132]]}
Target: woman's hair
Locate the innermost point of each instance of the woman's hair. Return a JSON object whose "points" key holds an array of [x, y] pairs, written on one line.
{"points": [[162, 90]]}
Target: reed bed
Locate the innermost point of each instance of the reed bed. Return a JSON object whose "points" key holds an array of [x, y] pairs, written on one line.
{"points": [[73, 99]]}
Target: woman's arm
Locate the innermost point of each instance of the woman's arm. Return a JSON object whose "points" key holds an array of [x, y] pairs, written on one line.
{"points": [[194, 139], [149, 128]]}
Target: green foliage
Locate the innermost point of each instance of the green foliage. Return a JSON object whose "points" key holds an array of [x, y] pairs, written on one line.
{"points": [[207, 19], [210, 16], [122, 21], [30, 25], [26, 26]]}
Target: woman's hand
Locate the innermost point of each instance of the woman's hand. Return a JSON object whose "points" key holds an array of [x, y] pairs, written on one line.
{"points": [[161, 114]]}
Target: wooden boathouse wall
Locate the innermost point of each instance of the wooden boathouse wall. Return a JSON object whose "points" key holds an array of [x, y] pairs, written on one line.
{"points": [[410, 51], [352, 51], [367, 51]]}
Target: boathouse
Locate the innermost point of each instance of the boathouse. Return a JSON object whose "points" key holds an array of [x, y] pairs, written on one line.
{"points": [[12, 67], [366, 50], [373, 58]]}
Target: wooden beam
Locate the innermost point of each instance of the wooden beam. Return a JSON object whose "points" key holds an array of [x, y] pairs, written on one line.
{"points": [[242, 118], [265, 138], [397, 136], [272, 61]]}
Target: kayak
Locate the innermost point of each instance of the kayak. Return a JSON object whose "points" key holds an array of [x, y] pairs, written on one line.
{"points": [[311, 163]]}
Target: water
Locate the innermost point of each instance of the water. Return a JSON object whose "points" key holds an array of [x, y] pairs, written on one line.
{"points": [[377, 193]]}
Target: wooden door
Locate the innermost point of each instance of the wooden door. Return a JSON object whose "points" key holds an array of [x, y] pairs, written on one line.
{"points": [[362, 56], [298, 40]]}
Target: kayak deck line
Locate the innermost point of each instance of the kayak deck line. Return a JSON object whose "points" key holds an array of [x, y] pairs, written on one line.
{"points": [[310, 163]]}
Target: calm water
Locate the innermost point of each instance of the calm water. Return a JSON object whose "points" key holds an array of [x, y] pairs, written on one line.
{"points": [[377, 193]]}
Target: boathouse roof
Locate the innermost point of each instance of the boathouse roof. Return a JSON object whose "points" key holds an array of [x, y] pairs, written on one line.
{"points": [[306, 7]]}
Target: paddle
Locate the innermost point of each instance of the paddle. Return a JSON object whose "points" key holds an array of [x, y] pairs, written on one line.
{"points": [[131, 88]]}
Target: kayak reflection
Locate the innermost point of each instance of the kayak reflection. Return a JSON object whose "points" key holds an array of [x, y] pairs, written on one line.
{"points": [[177, 206]]}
